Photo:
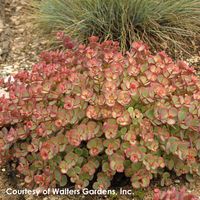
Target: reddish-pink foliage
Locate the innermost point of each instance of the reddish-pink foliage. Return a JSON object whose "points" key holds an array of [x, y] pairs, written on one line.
{"points": [[89, 107], [173, 194]]}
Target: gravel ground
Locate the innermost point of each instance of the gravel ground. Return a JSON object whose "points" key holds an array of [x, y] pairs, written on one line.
{"points": [[19, 44]]}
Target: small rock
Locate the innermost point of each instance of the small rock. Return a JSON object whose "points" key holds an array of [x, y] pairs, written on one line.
{"points": [[18, 8], [29, 197], [21, 30], [1, 24], [5, 45], [7, 31], [6, 94], [3, 169], [177, 181], [15, 20]]}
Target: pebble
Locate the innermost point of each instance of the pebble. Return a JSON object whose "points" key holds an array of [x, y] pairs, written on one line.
{"points": [[21, 30], [3, 93], [18, 8], [3, 169], [1, 24], [5, 44], [29, 197]]}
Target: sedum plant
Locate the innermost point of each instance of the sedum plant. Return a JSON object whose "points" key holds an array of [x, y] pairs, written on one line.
{"points": [[89, 112], [173, 194]]}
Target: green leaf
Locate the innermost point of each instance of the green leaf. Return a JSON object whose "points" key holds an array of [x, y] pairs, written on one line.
{"points": [[80, 161], [78, 151], [136, 185], [63, 180], [77, 170], [37, 165], [143, 149], [172, 144], [57, 159], [84, 176], [30, 158], [140, 193], [197, 144], [123, 131], [195, 122], [150, 113], [57, 175], [105, 167], [144, 67], [143, 91], [144, 81], [163, 113], [166, 175], [71, 172], [190, 178], [182, 114], [192, 109], [165, 179], [131, 112], [170, 164], [183, 126], [127, 163], [136, 166], [85, 152], [173, 148], [125, 145], [63, 167]]}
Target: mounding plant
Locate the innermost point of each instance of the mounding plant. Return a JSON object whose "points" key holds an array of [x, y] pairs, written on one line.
{"points": [[89, 112], [173, 194], [161, 24]]}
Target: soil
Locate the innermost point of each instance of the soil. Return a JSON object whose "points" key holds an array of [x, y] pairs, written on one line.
{"points": [[19, 44], [19, 49]]}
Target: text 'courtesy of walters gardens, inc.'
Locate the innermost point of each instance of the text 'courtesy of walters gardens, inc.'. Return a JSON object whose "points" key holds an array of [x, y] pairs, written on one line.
{"points": [[66, 191]]}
